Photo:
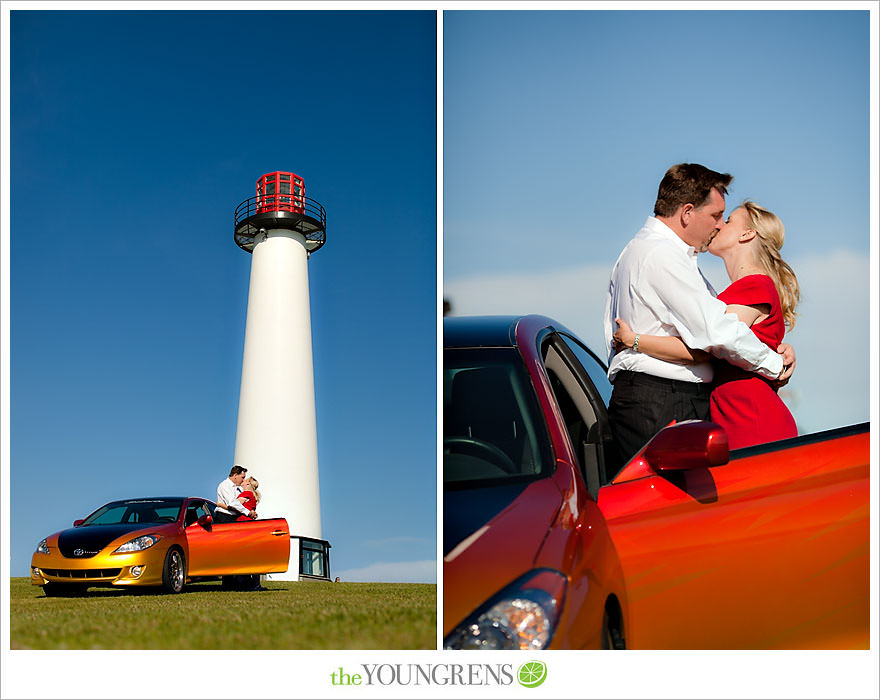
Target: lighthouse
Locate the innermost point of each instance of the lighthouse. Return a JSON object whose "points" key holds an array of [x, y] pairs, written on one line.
{"points": [[276, 437]]}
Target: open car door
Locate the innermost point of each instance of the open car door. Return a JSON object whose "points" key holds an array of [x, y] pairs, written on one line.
{"points": [[765, 547], [246, 547]]}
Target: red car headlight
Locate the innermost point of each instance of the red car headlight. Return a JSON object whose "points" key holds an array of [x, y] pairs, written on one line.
{"points": [[138, 544], [523, 615]]}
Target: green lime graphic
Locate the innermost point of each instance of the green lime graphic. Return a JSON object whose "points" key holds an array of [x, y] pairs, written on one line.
{"points": [[532, 673]]}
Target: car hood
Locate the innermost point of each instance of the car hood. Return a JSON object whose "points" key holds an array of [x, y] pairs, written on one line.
{"points": [[499, 548], [466, 510], [91, 539]]}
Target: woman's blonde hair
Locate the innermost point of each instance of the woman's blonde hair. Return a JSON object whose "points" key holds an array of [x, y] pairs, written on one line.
{"points": [[254, 486], [771, 236]]}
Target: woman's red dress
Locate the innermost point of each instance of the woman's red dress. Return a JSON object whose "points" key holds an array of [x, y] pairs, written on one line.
{"points": [[250, 502], [745, 404]]}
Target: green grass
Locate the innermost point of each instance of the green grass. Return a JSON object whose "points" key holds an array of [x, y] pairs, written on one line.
{"points": [[290, 615]]}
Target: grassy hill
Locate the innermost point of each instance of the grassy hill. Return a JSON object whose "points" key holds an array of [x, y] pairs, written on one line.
{"points": [[290, 615]]}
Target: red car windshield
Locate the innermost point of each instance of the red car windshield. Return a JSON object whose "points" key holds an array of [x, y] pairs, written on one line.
{"points": [[147, 510], [493, 429]]}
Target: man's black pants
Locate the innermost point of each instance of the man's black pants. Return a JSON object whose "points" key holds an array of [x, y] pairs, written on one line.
{"points": [[224, 517], [642, 404]]}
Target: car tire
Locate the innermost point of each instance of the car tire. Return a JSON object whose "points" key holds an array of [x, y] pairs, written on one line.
{"points": [[174, 571], [612, 638], [62, 590]]}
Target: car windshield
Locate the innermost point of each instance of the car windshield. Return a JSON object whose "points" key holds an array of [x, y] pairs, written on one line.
{"points": [[147, 510], [493, 428]]}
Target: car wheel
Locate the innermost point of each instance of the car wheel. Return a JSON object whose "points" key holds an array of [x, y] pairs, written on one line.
{"points": [[62, 590], [612, 638], [174, 571]]}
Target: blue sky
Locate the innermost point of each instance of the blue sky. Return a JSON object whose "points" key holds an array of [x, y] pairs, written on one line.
{"points": [[558, 127], [134, 135]]}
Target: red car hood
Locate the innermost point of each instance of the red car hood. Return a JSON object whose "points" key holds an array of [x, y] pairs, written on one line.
{"points": [[498, 552]]}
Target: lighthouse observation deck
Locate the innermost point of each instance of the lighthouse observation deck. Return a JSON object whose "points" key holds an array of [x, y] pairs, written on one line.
{"points": [[306, 216]]}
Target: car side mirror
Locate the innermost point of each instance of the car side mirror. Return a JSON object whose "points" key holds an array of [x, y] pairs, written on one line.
{"points": [[688, 445], [77, 523], [205, 520]]}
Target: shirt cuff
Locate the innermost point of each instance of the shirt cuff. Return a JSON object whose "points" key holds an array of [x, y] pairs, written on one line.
{"points": [[772, 366]]}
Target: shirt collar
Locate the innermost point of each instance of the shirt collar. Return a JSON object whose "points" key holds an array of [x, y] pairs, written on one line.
{"points": [[654, 225]]}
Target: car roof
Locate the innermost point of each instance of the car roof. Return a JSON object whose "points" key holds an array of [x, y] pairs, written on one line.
{"points": [[154, 499], [489, 331], [470, 331]]}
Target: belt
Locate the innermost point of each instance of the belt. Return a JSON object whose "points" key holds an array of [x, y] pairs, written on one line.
{"points": [[626, 376]]}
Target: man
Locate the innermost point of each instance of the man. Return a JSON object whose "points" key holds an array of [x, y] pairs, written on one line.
{"points": [[227, 494], [658, 289]]}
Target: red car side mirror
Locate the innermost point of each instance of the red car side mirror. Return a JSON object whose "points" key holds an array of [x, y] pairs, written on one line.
{"points": [[205, 520], [77, 523], [688, 445]]}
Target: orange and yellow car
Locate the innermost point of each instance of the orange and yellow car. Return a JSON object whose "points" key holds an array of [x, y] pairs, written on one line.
{"points": [[161, 542], [551, 542]]}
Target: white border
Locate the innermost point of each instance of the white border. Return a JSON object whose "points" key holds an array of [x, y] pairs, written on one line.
{"points": [[37, 674], [4, 332], [439, 389]]}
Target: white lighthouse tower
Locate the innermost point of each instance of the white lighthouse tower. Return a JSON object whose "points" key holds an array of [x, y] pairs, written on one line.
{"points": [[276, 439]]}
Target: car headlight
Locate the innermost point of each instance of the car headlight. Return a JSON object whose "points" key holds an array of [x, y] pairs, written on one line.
{"points": [[137, 544], [524, 615], [42, 548]]}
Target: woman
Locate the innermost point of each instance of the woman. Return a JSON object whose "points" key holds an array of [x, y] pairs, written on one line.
{"points": [[763, 293], [250, 495]]}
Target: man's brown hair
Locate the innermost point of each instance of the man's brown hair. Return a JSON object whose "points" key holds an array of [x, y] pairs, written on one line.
{"points": [[688, 183], [237, 470]]}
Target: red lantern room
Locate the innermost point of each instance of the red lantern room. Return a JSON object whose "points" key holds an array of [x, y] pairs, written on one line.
{"points": [[280, 192], [280, 203]]}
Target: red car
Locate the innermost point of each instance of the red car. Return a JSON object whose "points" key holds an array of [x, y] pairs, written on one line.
{"points": [[157, 542], [550, 543]]}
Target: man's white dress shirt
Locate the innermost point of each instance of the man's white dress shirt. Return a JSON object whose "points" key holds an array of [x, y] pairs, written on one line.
{"points": [[228, 492], [658, 289]]}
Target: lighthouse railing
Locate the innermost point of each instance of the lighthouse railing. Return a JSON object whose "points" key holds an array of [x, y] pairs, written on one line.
{"points": [[300, 205]]}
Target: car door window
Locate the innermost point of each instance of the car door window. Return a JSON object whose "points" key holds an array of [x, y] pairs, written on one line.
{"points": [[583, 406], [594, 367], [194, 511], [579, 417]]}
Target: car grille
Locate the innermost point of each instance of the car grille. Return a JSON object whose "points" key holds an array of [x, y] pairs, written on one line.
{"points": [[78, 553], [82, 573]]}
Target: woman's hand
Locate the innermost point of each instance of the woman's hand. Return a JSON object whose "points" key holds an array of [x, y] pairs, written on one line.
{"points": [[667, 348], [221, 504], [788, 363], [623, 337]]}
